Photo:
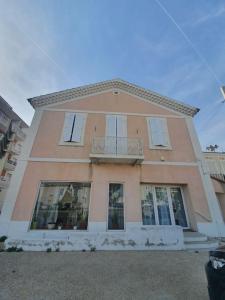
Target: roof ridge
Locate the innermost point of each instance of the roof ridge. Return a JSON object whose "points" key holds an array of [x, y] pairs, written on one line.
{"points": [[113, 83]]}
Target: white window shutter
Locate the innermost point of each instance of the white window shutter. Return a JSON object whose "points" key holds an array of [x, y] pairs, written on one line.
{"points": [[78, 127], [111, 125], [68, 125], [122, 135], [121, 126], [158, 130], [110, 133]]}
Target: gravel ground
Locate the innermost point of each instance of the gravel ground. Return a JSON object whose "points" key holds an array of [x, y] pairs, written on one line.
{"points": [[103, 275]]}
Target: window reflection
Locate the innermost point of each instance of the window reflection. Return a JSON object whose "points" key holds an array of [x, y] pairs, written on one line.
{"points": [[116, 208], [62, 206]]}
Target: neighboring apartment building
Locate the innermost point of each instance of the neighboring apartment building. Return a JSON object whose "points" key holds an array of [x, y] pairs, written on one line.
{"points": [[215, 162], [113, 166], [11, 138]]}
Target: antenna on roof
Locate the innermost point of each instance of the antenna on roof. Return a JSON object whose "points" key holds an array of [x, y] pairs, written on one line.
{"points": [[223, 93]]}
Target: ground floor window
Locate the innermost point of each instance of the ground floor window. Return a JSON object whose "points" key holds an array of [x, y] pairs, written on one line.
{"points": [[162, 205], [116, 207], [62, 206]]}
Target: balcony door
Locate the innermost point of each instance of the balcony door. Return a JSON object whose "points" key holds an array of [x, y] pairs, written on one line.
{"points": [[116, 135]]}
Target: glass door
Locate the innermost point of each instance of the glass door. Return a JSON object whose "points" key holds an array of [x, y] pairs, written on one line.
{"points": [[163, 205], [116, 207], [178, 207]]}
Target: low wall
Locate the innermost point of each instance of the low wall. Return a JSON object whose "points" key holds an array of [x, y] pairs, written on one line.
{"points": [[134, 238]]}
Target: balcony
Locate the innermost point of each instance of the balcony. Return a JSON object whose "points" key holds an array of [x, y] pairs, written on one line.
{"points": [[10, 165], [14, 148], [4, 122], [216, 168], [4, 182], [117, 150], [20, 135]]}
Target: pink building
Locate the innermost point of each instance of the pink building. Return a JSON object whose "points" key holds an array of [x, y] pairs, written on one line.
{"points": [[113, 166]]}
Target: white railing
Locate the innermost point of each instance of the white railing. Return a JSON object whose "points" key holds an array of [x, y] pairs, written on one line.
{"points": [[117, 146], [4, 182], [18, 131], [14, 148], [216, 168], [10, 164]]}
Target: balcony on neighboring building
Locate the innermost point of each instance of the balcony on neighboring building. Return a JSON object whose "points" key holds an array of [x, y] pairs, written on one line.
{"points": [[20, 135], [10, 165], [4, 122], [216, 168], [117, 150], [14, 148], [4, 182]]}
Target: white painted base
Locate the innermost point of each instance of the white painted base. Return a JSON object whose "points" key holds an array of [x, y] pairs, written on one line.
{"points": [[135, 237], [212, 229]]}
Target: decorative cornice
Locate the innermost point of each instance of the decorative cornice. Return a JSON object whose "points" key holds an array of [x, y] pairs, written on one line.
{"points": [[113, 84]]}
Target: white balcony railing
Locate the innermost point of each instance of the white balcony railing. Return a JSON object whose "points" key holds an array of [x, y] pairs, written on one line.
{"points": [[4, 182], [14, 148], [10, 165], [119, 149], [18, 131]]}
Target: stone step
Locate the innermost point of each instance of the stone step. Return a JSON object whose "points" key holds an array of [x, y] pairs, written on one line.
{"points": [[207, 245], [194, 237]]}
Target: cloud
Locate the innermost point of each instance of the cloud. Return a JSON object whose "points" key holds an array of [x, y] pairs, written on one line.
{"points": [[27, 66], [217, 12]]}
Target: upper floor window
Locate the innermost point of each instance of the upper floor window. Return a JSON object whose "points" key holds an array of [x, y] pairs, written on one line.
{"points": [[73, 130], [158, 133]]}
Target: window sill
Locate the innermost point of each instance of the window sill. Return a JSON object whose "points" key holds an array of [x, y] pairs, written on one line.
{"points": [[160, 148], [71, 144]]}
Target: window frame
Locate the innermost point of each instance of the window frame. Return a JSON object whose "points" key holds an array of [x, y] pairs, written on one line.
{"points": [[151, 146], [73, 144], [170, 204], [58, 230], [107, 207]]}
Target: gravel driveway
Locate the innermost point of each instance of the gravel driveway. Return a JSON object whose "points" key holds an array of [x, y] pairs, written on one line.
{"points": [[103, 275]]}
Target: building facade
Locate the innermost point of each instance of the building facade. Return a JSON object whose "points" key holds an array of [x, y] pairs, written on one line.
{"points": [[11, 139], [215, 162], [112, 166]]}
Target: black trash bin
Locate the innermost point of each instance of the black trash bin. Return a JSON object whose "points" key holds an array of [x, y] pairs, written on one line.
{"points": [[215, 272]]}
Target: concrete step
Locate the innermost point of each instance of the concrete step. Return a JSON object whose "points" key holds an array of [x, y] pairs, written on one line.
{"points": [[207, 245], [190, 236]]}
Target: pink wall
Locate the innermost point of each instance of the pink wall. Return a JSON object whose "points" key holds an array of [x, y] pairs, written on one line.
{"points": [[101, 176], [47, 145], [49, 134], [115, 103]]}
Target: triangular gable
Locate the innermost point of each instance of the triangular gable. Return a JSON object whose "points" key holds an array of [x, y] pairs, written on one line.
{"points": [[100, 87], [109, 102]]}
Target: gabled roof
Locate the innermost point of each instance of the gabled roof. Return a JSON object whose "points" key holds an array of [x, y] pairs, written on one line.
{"points": [[119, 84]]}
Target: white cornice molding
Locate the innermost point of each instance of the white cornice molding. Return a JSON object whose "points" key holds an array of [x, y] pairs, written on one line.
{"points": [[133, 89], [73, 160]]}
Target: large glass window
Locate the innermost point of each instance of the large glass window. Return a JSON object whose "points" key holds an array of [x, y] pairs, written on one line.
{"points": [[162, 205], [116, 207], [62, 206]]}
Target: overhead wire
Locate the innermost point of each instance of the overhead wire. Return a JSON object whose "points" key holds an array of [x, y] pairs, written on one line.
{"points": [[198, 53]]}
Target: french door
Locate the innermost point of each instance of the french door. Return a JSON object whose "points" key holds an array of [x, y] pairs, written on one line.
{"points": [[116, 134], [163, 205], [116, 207]]}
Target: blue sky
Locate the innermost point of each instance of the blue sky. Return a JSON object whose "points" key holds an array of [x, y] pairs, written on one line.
{"points": [[46, 46]]}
